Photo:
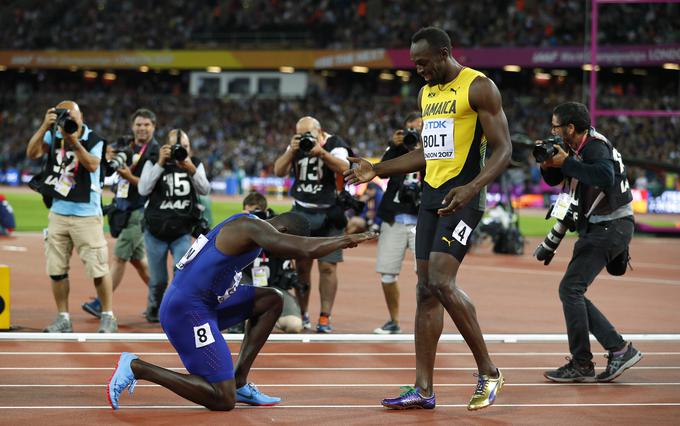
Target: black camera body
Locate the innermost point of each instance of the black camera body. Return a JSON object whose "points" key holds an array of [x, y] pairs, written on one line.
{"points": [[409, 193], [411, 138], [64, 120], [123, 153], [307, 142], [288, 279], [347, 202], [178, 152], [547, 148]]}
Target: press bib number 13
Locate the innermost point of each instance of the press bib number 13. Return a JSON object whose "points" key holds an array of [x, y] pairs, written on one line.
{"points": [[438, 139]]}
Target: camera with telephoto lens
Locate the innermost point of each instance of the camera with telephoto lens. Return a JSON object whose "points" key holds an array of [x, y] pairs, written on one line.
{"points": [[178, 152], [307, 142], [347, 202], [123, 153], [547, 148], [546, 250], [64, 120], [411, 138]]}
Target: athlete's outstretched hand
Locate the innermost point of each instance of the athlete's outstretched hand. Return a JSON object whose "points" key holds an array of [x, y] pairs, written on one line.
{"points": [[363, 172], [356, 239], [457, 198]]}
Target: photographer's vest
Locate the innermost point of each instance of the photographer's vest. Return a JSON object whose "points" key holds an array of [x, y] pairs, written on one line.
{"points": [[315, 181], [63, 165], [391, 205], [172, 210], [615, 196], [453, 140], [142, 153]]}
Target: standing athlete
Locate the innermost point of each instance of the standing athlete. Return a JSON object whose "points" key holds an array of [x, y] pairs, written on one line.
{"points": [[462, 113], [205, 297]]}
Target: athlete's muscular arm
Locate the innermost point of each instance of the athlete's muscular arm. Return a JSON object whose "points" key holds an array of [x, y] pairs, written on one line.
{"points": [[485, 98], [247, 234]]}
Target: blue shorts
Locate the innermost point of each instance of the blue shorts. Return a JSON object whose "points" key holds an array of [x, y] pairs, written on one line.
{"points": [[193, 328]]}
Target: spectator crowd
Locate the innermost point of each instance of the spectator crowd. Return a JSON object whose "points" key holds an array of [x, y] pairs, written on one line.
{"points": [[337, 24]]}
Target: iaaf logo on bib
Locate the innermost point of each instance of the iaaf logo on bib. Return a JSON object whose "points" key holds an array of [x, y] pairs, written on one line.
{"points": [[435, 124]]}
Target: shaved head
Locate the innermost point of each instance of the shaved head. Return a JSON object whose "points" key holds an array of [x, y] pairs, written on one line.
{"points": [[74, 111], [308, 124]]}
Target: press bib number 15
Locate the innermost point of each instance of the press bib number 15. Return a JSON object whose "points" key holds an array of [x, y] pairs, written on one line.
{"points": [[438, 139]]}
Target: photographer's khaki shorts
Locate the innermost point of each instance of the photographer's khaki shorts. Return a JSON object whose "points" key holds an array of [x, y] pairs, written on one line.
{"points": [[392, 244], [86, 234]]}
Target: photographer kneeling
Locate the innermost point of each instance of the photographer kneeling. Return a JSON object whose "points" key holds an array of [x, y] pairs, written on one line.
{"points": [[172, 212], [398, 212], [599, 201], [276, 272]]}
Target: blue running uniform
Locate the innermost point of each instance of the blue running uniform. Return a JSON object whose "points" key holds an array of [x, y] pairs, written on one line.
{"points": [[204, 298]]}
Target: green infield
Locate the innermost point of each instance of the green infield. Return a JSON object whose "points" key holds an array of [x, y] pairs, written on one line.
{"points": [[31, 215]]}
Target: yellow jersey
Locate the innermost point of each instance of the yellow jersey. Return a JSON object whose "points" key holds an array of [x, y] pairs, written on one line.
{"points": [[454, 144]]}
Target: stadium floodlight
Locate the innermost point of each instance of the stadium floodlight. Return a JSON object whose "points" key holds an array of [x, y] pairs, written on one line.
{"points": [[360, 69], [542, 76], [287, 69], [512, 68], [143, 68], [109, 76], [3, 68], [671, 66], [90, 74], [214, 69], [386, 76], [559, 73], [403, 74], [589, 67]]}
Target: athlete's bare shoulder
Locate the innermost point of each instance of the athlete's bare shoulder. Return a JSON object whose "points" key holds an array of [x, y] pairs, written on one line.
{"points": [[484, 94]]}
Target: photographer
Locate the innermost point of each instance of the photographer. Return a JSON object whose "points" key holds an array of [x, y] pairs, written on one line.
{"points": [[127, 209], [172, 184], [316, 157], [72, 182], [398, 211], [600, 203], [270, 271]]}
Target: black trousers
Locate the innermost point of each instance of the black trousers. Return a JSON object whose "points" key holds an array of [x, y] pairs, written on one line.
{"points": [[593, 250]]}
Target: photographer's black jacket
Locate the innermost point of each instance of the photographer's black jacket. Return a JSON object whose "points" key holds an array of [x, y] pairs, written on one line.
{"points": [[135, 201], [315, 181], [390, 205], [65, 161], [600, 169], [173, 199]]}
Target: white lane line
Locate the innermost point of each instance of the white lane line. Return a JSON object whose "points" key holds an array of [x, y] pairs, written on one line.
{"points": [[361, 385], [379, 354], [329, 369], [316, 407], [14, 248], [306, 338]]}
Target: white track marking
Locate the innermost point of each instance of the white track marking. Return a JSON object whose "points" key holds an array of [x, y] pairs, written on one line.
{"points": [[331, 354], [306, 338], [326, 369], [362, 385], [316, 407]]}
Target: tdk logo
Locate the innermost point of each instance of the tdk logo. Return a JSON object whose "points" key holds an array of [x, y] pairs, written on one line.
{"points": [[435, 124]]}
